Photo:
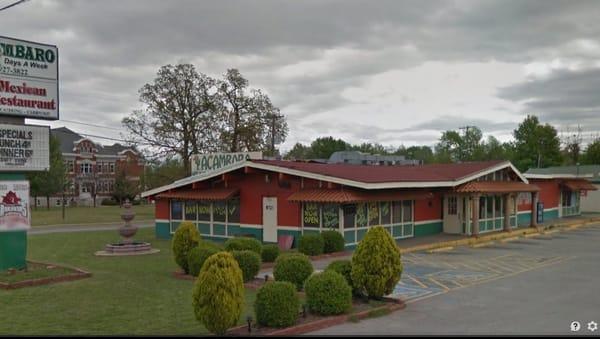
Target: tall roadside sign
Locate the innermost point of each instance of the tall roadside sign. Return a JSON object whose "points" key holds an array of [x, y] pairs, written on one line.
{"points": [[28, 90]]}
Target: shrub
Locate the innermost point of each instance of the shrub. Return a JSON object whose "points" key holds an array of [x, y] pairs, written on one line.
{"points": [[243, 244], [270, 253], [343, 267], [328, 293], [185, 238], [376, 264], [218, 295], [292, 267], [333, 241], [311, 244], [277, 304], [109, 202], [198, 256], [249, 263]]}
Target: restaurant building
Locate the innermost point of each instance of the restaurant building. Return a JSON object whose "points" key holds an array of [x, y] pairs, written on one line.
{"points": [[270, 198]]}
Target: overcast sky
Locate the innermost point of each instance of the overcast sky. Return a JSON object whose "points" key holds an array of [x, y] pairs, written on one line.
{"points": [[393, 72]]}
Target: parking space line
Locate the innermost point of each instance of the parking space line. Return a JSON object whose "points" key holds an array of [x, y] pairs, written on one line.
{"points": [[417, 281], [439, 283]]}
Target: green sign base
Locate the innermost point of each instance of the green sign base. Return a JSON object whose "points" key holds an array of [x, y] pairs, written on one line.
{"points": [[13, 250]]}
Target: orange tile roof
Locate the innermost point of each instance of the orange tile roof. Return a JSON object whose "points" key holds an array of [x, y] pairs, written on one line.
{"points": [[579, 185], [206, 194], [353, 196], [496, 187]]}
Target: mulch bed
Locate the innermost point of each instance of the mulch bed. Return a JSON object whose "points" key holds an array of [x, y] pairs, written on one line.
{"points": [[312, 322], [75, 274], [252, 284], [266, 265]]}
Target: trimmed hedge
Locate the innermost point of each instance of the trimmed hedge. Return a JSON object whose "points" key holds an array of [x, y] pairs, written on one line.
{"points": [[218, 294], [198, 256], [376, 264], [343, 267], [270, 253], [185, 238], [333, 241], [243, 244], [311, 244], [249, 263], [328, 293], [293, 267], [277, 304]]}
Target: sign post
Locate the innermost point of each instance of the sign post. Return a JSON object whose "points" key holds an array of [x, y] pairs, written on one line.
{"points": [[28, 89]]}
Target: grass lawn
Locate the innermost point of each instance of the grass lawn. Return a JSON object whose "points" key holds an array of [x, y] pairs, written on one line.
{"points": [[34, 271], [85, 215], [125, 295]]}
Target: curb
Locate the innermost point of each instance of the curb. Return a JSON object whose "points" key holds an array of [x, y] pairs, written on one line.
{"points": [[77, 275]]}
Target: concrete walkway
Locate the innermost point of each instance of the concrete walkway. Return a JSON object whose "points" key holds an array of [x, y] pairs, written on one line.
{"points": [[84, 227]]}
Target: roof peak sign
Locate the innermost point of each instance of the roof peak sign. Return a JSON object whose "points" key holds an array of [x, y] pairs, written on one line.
{"points": [[206, 164]]}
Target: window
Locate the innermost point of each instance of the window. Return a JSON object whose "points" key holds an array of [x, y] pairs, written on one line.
{"points": [[176, 210], [397, 212], [191, 210], [452, 205], [311, 215], [57, 202], [490, 206], [331, 216], [386, 216], [482, 201], [203, 211], [219, 211], [498, 206], [112, 167], [407, 211], [233, 209], [373, 208], [349, 215], [361, 215], [85, 168]]}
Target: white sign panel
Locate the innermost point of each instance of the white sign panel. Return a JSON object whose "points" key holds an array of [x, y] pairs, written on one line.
{"points": [[209, 163], [28, 79], [24, 148], [14, 205]]}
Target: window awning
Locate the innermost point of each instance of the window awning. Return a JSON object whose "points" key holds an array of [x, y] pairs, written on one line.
{"points": [[352, 196], [206, 194], [579, 185], [496, 187]]}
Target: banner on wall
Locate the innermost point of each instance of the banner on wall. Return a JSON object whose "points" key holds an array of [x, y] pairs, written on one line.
{"points": [[205, 164], [14, 205], [28, 79]]}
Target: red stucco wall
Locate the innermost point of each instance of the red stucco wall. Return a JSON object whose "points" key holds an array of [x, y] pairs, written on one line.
{"points": [[549, 193], [423, 210]]}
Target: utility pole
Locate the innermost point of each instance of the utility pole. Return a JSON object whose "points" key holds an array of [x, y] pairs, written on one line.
{"points": [[468, 146]]}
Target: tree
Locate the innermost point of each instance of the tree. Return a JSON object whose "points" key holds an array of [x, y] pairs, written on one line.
{"points": [[53, 180], [250, 121], [572, 146], [536, 145], [448, 149], [179, 117], [323, 148], [423, 153], [592, 153], [160, 173], [218, 294], [298, 152]]}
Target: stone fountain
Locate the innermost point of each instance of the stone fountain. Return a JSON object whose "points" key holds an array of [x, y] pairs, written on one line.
{"points": [[127, 246]]}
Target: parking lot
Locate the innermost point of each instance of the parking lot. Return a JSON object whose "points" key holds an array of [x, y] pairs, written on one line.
{"points": [[535, 285]]}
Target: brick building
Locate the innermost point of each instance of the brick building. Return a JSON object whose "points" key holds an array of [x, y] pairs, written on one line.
{"points": [[92, 168]]}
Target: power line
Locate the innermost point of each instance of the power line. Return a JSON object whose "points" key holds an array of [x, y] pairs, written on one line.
{"points": [[92, 125], [13, 4]]}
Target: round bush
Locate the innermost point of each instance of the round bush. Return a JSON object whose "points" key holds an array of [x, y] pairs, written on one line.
{"points": [[328, 293], [243, 244], [249, 263], [343, 267], [293, 267], [270, 253], [376, 264], [198, 256], [218, 295], [311, 244], [277, 304], [333, 241], [185, 238]]}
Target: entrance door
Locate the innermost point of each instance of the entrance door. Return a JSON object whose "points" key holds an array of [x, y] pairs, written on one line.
{"points": [[452, 214], [269, 219]]}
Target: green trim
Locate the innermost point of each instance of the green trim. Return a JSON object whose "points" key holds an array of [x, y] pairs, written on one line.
{"points": [[360, 234], [429, 228], [295, 234], [350, 237], [219, 229], [13, 250], [162, 230], [204, 229], [13, 176]]}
